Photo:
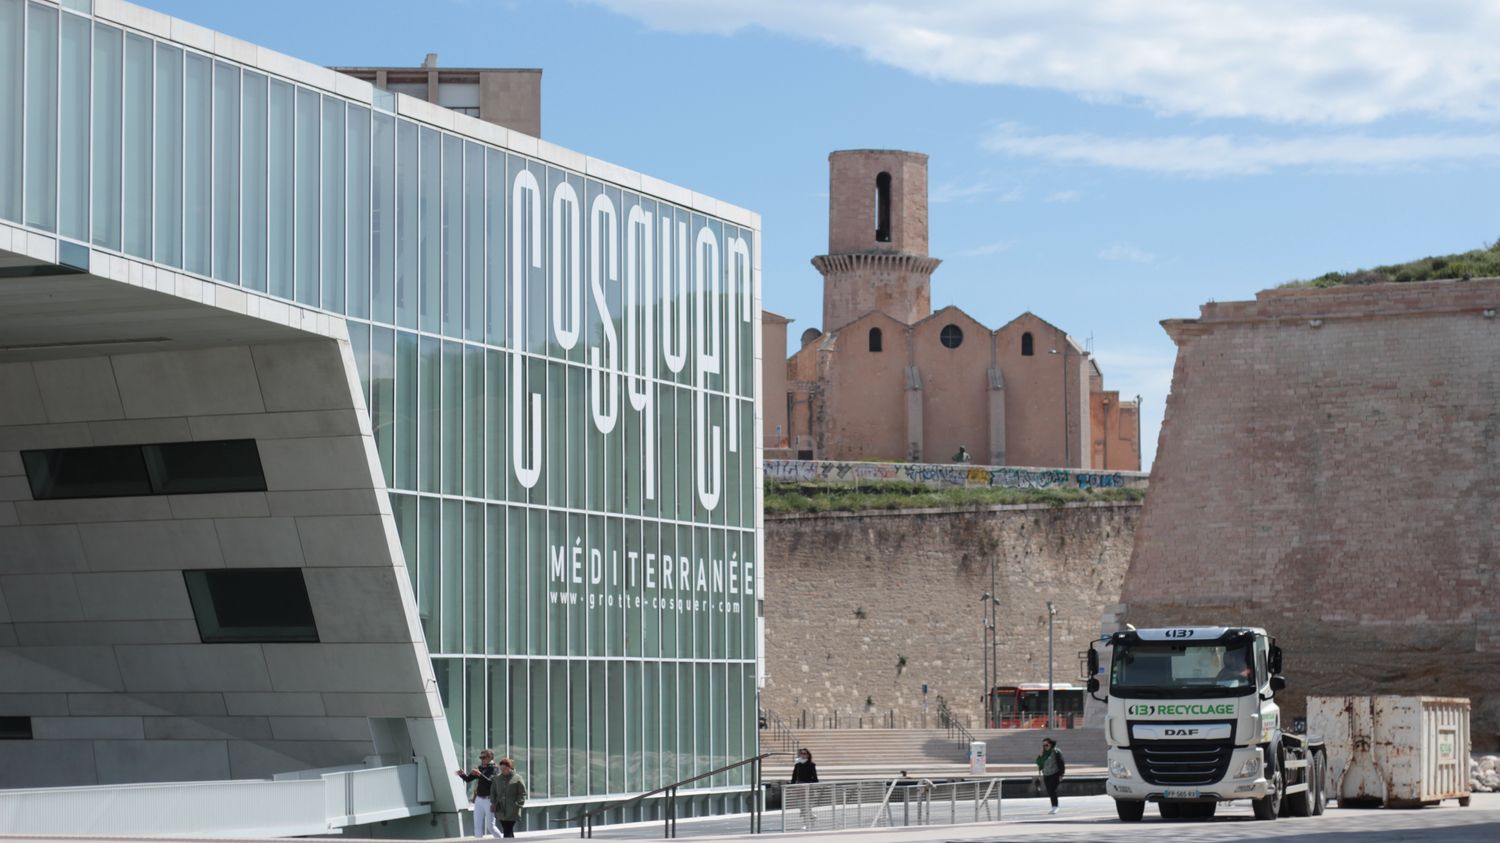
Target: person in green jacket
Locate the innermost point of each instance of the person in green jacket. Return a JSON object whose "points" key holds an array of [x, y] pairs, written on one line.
{"points": [[508, 797], [1050, 767]]}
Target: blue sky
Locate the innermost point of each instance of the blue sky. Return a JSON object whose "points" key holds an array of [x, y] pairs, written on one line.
{"points": [[1105, 165]]}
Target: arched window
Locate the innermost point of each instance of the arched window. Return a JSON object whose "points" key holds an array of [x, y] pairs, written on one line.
{"points": [[876, 340], [1026, 346], [883, 207], [952, 336]]}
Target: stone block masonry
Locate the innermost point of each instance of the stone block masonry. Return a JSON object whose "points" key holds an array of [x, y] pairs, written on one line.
{"points": [[850, 595], [1327, 470]]}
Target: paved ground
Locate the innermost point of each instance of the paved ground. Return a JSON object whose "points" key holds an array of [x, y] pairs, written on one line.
{"points": [[1093, 819]]}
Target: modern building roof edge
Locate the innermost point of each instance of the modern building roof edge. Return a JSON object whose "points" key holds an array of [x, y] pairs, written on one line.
{"points": [[331, 82]]}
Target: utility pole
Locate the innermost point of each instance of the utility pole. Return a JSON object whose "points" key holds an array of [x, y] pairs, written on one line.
{"points": [[1051, 711], [994, 645], [984, 658]]}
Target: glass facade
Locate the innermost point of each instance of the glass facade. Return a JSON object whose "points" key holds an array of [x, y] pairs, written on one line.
{"points": [[558, 369]]}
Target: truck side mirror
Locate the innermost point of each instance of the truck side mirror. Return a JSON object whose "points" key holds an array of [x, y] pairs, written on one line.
{"points": [[1093, 685], [1274, 663], [1093, 663], [1278, 683]]}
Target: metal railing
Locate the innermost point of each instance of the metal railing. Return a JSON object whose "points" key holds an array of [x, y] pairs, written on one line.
{"points": [[777, 732], [949, 721], [830, 806], [586, 820]]}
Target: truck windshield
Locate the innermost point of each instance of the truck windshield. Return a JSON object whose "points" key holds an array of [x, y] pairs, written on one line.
{"points": [[1162, 669]]}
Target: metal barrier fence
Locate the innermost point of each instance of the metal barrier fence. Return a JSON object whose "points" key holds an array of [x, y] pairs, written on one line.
{"points": [[829, 806]]}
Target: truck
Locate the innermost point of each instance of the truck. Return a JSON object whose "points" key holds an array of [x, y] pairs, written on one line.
{"points": [[1192, 720]]}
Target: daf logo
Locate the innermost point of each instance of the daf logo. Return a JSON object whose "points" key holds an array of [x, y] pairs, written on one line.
{"points": [[1180, 733]]}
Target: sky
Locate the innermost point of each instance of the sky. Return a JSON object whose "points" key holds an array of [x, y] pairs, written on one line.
{"points": [[1105, 165]]}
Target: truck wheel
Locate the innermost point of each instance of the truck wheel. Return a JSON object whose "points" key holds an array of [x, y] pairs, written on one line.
{"points": [[1130, 811], [1320, 783], [1269, 807]]}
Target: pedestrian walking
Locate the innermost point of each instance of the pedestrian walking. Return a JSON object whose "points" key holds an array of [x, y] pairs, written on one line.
{"points": [[485, 774], [805, 772], [509, 797], [1051, 767]]}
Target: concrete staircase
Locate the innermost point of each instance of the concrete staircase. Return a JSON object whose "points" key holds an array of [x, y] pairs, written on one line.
{"points": [[932, 753]]}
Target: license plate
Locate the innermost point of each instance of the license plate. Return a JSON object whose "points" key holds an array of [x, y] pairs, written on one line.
{"points": [[1182, 794]]}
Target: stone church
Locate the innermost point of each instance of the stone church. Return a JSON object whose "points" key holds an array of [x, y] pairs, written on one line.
{"points": [[886, 378]]}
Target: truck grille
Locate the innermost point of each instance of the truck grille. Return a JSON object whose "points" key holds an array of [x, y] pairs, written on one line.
{"points": [[1182, 763]]}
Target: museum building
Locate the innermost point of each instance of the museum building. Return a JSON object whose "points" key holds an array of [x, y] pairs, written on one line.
{"points": [[336, 424]]}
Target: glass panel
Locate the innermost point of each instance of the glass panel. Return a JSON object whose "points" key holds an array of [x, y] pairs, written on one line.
{"points": [[429, 422], [520, 719], [473, 462], [476, 724], [168, 154], [12, 122], [333, 205], [109, 55], [497, 428], [540, 726], [499, 708], [306, 197], [494, 560], [498, 189], [198, 121], [453, 236], [253, 184], [41, 117], [474, 241], [405, 509], [406, 410], [558, 723], [427, 569], [226, 172], [430, 228], [649, 747], [281, 124], [251, 606], [451, 416], [383, 218], [473, 579], [138, 54], [578, 728], [516, 614], [408, 194], [73, 172], [192, 468], [357, 227], [359, 343], [618, 709], [599, 704], [450, 573], [383, 409]]}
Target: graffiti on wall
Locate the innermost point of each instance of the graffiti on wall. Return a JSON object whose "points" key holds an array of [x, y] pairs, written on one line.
{"points": [[951, 475]]}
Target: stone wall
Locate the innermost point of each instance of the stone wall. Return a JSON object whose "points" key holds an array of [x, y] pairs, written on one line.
{"points": [[848, 595], [1327, 470]]}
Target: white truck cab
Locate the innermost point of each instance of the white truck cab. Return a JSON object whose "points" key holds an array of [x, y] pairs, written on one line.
{"points": [[1192, 721]]}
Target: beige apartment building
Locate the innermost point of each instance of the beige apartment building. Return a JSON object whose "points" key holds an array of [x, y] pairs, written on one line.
{"points": [[506, 96], [886, 378]]}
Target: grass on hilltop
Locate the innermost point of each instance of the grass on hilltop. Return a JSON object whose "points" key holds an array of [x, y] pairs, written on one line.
{"points": [[1479, 263], [784, 496]]}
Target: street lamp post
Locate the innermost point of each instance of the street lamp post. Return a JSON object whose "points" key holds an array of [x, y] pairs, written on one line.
{"points": [[1051, 711]]}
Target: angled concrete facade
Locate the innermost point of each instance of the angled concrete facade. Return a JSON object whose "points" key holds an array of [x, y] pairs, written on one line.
{"points": [[502, 405]]}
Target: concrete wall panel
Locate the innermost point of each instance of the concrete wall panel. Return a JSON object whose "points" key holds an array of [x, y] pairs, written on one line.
{"points": [[78, 389], [119, 762], [60, 669], [147, 705], [40, 549], [144, 595], [207, 382], [46, 764], [151, 545], [259, 542], [41, 597], [220, 667], [111, 632]]}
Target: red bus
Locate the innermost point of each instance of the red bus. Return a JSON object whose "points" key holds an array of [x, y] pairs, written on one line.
{"points": [[1024, 706]]}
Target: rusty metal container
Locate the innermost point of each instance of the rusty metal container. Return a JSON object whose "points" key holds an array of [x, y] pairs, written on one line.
{"points": [[1396, 751]]}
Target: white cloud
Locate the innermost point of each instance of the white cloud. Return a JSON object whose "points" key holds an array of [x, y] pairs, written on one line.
{"points": [[1122, 251], [1313, 61], [1207, 156], [987, 249], [1063, 196], [952, 192]]}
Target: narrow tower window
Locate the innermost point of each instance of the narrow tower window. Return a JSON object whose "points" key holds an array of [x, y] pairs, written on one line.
{"points": [[1026, 346], [883, 208], [875, 340]]}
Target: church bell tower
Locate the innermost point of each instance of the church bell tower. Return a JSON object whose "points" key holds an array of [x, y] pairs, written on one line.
{"points": [[877, 237]]}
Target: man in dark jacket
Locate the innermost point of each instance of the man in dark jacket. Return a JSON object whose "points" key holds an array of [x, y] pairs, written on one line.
{"points": [[484, 813]]}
